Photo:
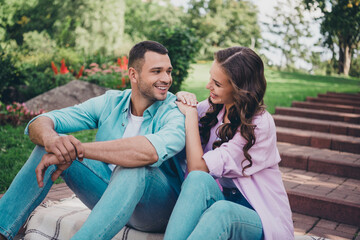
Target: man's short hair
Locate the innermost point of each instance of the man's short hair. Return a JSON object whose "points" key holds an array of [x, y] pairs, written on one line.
{"points": [[137, 53]]}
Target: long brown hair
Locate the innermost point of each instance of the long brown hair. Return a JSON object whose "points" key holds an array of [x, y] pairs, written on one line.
{"points": [[245, 70]]}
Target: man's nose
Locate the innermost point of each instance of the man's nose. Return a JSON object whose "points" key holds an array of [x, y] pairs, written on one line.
{"points": [[166, 78]]}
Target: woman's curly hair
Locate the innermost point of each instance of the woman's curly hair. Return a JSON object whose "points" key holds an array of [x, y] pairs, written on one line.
{"points": [[245, 70]]}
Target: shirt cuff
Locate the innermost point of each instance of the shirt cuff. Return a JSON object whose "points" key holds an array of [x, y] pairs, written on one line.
{"points": [[214, 163], [160, 149]]}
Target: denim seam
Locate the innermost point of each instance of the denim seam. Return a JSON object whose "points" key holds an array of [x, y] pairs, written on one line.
{"points": [[246, 224], [100, 177], [116, 218], [31, 202], [7, 233]]}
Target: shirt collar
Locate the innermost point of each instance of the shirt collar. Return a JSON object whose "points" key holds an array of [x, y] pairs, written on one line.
{"points": [[151, 110]]}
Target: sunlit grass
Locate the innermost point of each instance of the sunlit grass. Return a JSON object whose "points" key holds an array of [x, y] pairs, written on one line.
{"points": [[15, 148]]}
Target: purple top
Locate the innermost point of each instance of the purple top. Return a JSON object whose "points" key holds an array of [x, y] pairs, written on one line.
{"points": [[262, 186]]}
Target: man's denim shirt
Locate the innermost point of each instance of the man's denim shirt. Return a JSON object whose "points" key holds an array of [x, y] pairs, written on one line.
{"points": [[163, 125]]}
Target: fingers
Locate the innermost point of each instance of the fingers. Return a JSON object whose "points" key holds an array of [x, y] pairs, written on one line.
{"points": [[40, 172], [46, 161], [79, 148], [65, 148], [187, 98], [56, 174]]}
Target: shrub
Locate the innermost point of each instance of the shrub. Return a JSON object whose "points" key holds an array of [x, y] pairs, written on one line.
{"points": [[182, 45], [110, 75], [16, 114], [10, 78]]}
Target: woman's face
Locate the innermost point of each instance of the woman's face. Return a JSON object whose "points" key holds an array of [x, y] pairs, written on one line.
{"points": [[221, 90]]}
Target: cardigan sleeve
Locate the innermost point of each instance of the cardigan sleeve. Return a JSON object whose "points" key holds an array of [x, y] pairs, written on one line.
{"points": [[228, 160]]}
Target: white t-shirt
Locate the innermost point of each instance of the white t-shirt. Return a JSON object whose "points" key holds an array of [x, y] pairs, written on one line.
{"points": [[132, 129]]}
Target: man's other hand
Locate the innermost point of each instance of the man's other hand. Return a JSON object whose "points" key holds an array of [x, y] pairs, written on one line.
{"points": [[46, 161]]}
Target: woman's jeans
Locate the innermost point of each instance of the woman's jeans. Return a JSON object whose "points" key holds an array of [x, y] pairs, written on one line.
{"points": [[204, 212], [142, 198]]}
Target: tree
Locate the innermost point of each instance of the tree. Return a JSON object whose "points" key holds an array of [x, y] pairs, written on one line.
{"points": [[340, 26], [223, 23], [91, 26], [144, 17], [183, 45], [290, 28]]}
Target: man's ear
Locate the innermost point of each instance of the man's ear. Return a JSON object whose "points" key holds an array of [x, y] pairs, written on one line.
{"points": [[133, 75]]}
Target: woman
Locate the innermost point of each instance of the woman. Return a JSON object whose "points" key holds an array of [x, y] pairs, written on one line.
{"points": [[234, 142]]}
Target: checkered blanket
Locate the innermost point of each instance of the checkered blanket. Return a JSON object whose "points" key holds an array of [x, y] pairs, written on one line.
{"points": [[61, 220]]}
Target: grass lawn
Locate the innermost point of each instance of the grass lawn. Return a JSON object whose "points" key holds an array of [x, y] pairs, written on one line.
{"points": [[283, 88], [15, 148]]}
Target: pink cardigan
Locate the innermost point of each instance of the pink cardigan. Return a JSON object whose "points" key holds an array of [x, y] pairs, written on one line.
{"points": [[262, 187]]}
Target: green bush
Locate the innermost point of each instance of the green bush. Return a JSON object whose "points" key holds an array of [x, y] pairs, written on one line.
{"points": [[10, 78], [107, 75], [355, 66], [182, 45], [16, 114]]}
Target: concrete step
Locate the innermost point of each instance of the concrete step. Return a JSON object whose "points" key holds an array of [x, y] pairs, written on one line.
{"points": [[327, 107], [350, 96], [333, 100], [319, 140], [323, 195], [317, 125], [319, 114], [316, 160]]}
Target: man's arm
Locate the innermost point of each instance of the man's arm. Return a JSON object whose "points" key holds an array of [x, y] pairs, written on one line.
{"points": [[128, 152], [65, 148]]}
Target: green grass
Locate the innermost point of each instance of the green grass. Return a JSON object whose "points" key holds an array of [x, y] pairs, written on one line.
{"points": [[282, 87], [15, 148]]}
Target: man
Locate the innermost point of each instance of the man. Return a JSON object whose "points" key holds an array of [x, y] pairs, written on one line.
{"points": [[132, 178]]}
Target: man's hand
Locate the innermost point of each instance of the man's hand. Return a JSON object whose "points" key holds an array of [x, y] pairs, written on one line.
{"points": [[65, 148], [46, 161]]}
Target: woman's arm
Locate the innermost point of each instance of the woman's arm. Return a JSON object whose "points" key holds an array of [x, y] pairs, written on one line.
{"points": [[194, 151]]}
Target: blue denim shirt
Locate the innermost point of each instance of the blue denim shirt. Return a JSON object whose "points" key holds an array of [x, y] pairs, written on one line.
{"points": [[163, 125]]}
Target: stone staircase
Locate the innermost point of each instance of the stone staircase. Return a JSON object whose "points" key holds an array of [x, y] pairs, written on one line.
{"points": [[319, 143]]}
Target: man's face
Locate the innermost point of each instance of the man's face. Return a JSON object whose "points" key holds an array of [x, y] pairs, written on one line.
{"points": [[155, 77]]}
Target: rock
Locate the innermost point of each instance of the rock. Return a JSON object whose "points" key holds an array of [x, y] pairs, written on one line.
{"points": [[67, 95]]}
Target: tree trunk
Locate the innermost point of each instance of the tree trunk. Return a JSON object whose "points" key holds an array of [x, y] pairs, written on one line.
{"points": [[344, 58]]}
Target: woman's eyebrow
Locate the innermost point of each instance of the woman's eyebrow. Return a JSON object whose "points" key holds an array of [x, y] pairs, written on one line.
{"points": [[217, 82]]}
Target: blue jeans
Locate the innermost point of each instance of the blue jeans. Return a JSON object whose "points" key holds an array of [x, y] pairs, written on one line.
{"points": [[204, 212], [142, 198]]}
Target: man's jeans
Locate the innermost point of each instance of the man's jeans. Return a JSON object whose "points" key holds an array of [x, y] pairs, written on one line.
{"points": [[204, 212], [142, 198]]}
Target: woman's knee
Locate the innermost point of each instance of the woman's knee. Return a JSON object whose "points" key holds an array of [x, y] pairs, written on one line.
{"points": [[199, 177], [200, 183], [219, 208]]}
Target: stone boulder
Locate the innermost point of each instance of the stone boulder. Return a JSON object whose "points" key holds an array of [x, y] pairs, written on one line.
{"points": [[67, 95]]}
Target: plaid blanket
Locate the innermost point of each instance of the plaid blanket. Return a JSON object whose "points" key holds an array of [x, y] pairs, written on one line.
{"points": [[61, 220]]}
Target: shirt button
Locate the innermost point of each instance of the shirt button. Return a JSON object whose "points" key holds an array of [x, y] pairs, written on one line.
{"points": [[165, 156], [233, 191], [122, 124]]}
